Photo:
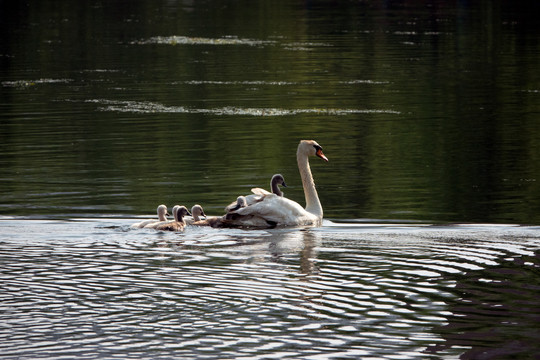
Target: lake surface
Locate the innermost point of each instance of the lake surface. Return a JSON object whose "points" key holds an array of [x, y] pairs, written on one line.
{"points": [[426, 111], [429, 113], [95, 288]]}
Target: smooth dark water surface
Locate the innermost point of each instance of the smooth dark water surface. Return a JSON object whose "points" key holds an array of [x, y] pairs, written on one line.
{"points": [[428, 111]]}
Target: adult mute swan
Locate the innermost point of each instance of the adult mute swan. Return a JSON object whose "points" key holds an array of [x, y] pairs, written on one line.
{"points": [[162, 216], [178, 224], [275, 210]]}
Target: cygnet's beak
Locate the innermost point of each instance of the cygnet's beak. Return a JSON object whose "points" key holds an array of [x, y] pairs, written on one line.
{"points": [[283, 184]]}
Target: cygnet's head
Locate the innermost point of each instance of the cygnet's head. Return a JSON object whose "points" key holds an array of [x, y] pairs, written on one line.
{"points": [[175, 209], [197, 211], [162, 211], [182, 211], [277, 180], [241, 202]]}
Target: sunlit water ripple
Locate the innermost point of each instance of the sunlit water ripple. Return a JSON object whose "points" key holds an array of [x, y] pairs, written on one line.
{"points": [[95, 288], [149, 107]]}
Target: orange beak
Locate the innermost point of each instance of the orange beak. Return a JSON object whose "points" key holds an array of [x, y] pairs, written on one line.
{"points": [[320, 154]]}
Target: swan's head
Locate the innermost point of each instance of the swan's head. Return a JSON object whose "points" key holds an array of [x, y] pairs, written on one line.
{"points": [[311, 148], [162, 210], [278, 180], [182, 211], [197, 211]]}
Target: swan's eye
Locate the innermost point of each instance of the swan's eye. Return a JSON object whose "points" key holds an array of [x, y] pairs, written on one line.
{"points": [[319, 152]]}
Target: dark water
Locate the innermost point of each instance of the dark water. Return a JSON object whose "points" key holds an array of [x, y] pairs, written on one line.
{"points": [[428, 111]]}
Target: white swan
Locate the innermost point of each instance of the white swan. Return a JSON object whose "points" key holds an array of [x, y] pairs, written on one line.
{"points": [[275, 210], [162, 216], [258, 193], [178, 224], [196, 213]]}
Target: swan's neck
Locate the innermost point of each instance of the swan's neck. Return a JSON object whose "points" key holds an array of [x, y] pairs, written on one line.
{"points": [[313, 205], [162, 216], [274, 187]]}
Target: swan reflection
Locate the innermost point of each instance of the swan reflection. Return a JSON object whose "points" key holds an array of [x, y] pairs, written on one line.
{"points": [[303, 242]]}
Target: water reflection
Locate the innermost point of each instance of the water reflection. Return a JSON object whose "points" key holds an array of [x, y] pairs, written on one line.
{"points": [[97, 288], [185, 40], [428, 111], [148, 108], [496, 315]]}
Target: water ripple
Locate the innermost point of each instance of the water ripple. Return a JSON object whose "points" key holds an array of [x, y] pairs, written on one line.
{"points": [[29, 83], [145, 107], [209, 293], [186, 40], [228, 41]]}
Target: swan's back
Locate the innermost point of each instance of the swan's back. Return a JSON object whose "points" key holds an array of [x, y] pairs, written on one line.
{"points": [[278, 210]]}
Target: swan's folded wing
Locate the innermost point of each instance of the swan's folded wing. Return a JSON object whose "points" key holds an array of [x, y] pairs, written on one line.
{"points": [[259, 191], [276, 209]]}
